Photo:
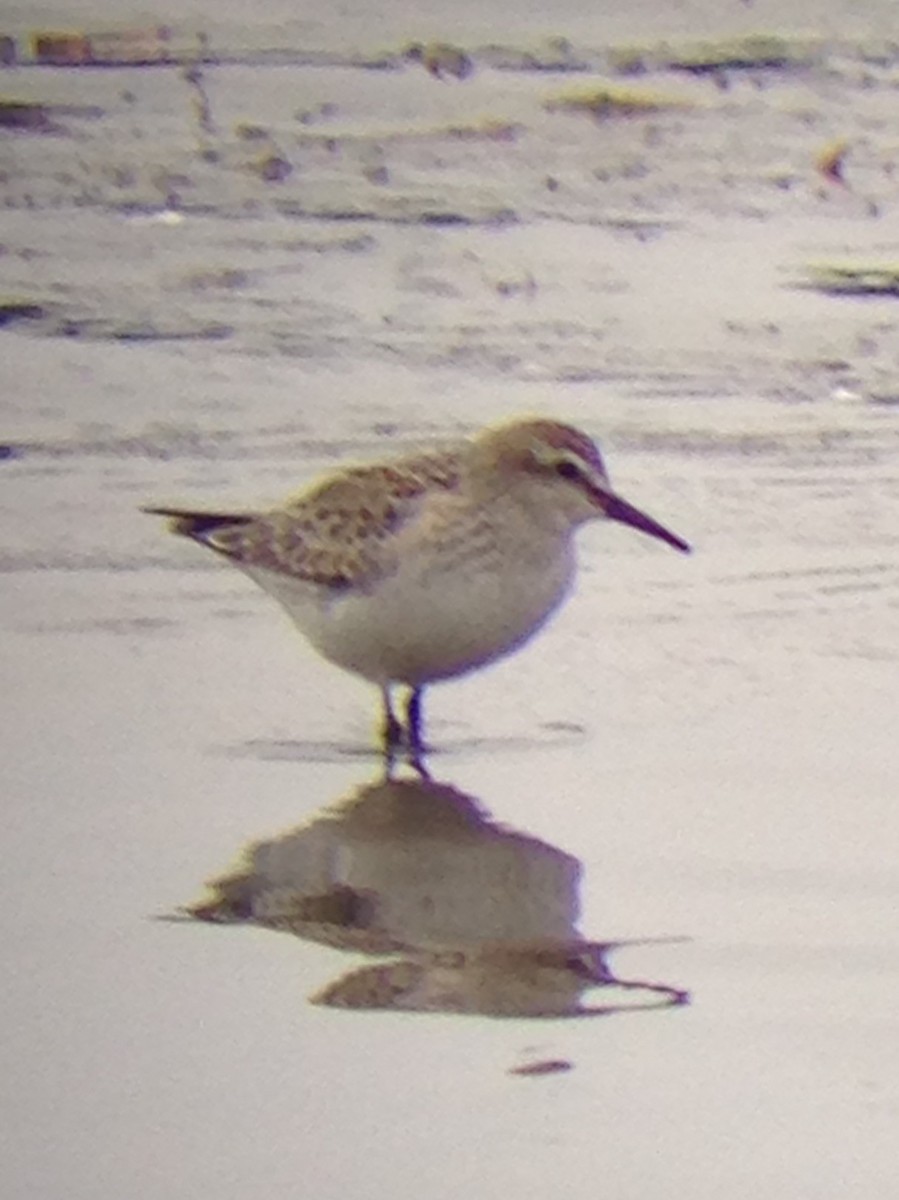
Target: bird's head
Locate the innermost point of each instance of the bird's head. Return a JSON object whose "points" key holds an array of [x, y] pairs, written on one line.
{"points": [[563, 469]]}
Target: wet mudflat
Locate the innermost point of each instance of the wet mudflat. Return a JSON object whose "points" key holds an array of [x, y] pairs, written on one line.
{"points": [[679, 800]]}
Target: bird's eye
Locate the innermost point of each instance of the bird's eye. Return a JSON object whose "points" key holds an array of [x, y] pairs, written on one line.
{"points": [[568, 470]]}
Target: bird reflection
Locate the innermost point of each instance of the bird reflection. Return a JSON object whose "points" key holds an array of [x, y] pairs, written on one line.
{"points": [[461, 914]]}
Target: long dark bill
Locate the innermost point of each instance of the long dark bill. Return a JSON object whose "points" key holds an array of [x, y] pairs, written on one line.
{"points": [[620, 510]]}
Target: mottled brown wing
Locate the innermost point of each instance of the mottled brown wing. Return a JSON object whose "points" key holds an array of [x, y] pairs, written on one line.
{"points": [[342, 531]]}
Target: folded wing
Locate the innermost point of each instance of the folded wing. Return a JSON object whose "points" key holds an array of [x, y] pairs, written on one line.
{"points": [[340, 533]]}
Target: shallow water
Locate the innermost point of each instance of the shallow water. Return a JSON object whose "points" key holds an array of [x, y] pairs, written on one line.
{"points": [[679, 799]]}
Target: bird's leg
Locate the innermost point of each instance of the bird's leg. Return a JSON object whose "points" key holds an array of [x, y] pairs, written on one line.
{"points": [[391, 729], [415, 733], [417, 763], [415, 723]]}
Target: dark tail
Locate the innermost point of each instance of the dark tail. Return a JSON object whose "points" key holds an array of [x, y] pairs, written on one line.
{"points": [[197, 525]]}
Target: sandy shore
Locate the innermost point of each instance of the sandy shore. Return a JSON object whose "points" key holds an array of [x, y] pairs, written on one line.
{"points": [[695, 760]]}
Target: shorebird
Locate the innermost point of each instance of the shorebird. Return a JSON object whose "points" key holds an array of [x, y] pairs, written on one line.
{"points": [[430, 565]]}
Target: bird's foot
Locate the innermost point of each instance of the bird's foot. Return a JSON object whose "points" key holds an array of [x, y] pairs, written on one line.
{"points": [[406, 740]]}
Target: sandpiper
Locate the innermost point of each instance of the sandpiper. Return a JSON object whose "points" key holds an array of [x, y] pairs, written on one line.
{"points": [[430, 565]]}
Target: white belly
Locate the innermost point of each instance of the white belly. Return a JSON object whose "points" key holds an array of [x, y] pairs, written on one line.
{"points": [[412, 628]]}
